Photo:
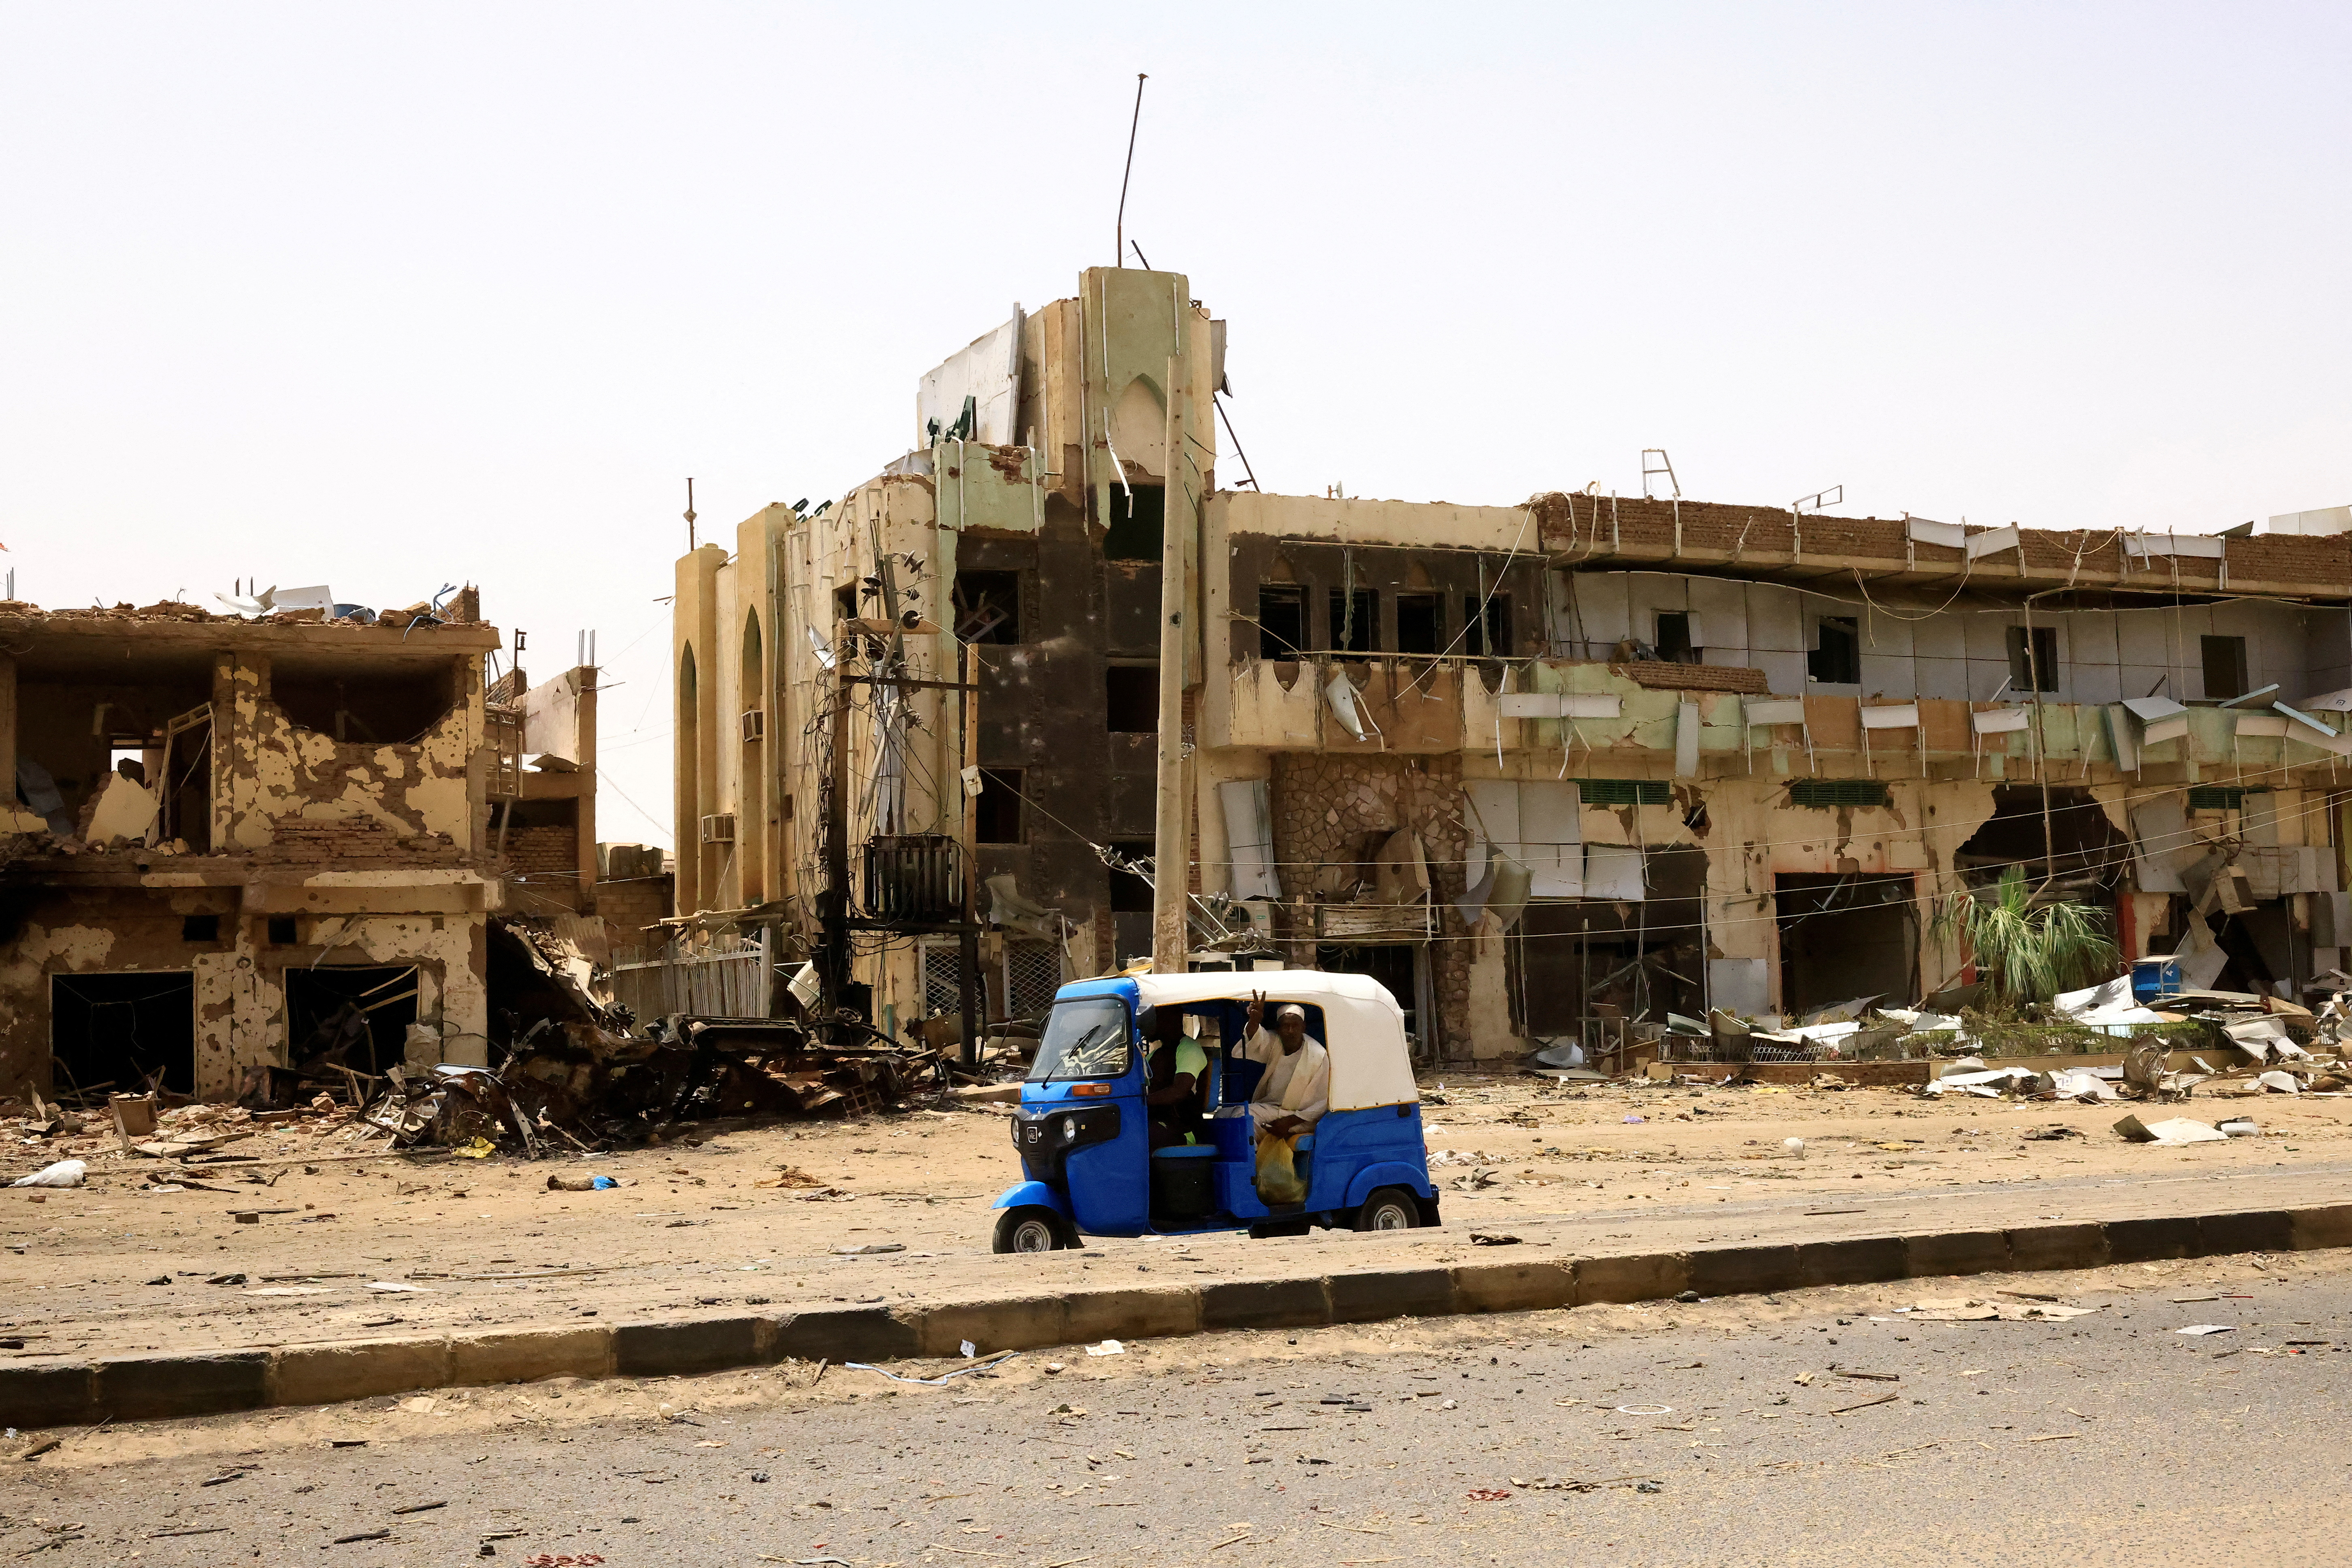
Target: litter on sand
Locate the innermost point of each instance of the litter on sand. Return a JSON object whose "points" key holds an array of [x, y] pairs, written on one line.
{"points": [[999, 1358], [2178, 1129], [64, 1174], [2200, 1329], [869, 1249], [1109, 1347], [1985, 1309]]}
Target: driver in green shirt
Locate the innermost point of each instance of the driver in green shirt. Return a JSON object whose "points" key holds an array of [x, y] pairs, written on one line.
{"points": [[1178, 1068]]}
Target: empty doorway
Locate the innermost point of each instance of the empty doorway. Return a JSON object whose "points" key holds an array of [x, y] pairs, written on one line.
{"points": [[117, 1031]]}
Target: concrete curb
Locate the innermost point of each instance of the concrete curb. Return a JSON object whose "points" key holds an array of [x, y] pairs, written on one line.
{"points": [[139, 1388]]}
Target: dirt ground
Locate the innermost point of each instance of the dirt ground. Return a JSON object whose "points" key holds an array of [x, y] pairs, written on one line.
{"points": [[352, 1245]]}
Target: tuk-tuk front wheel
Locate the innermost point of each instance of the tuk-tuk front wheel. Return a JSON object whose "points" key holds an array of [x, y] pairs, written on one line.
{"points": [[1034, 1228], [1390, 1208]]}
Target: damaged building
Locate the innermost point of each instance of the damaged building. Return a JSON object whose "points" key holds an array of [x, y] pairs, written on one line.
{"points": [[236, 837], [1549, 772]]}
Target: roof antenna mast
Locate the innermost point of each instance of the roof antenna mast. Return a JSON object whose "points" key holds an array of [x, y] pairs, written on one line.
{"points": [[689, 517], [1120, 255]]}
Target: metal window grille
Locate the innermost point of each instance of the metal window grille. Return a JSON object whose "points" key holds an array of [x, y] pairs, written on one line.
{"points": [[1033, 973], [1624, 792], [2217, 797], [942, 991], [1828, 792]]}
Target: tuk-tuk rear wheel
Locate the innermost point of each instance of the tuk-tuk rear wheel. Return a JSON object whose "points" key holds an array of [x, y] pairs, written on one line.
{"points": [[1032, 1229], [1390, 1208]]}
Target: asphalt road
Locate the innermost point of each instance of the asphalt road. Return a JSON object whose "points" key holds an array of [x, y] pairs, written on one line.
{"points": [[1721, 1433]]}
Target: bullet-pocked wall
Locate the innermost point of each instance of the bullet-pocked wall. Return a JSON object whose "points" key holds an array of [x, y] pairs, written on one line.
{"points": [[292, 812]]}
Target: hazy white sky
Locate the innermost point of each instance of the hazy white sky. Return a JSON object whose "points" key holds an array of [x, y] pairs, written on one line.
{"points": [[389, 297]]}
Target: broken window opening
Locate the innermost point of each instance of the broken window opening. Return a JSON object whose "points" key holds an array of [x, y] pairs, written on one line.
{"points": [[200, 928], [1281, 622], [1420, 622], [1487, 636], [1674, 642], [1836, 656], [1355, 621], [1131, 693], [1844, 936], [117, 1031], [996, 814], [1138, 523], [284, 931], [355, 1014], [186, 786], [377, 706], [2225, 667], [2034, 668], [72, 733], [988, 606]]}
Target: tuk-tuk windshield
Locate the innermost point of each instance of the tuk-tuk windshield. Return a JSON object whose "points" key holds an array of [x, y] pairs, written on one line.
{"points": [[1084, 1038]]}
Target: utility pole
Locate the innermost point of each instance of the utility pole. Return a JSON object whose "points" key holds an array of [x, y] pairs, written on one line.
{"points": [[833, 903], [1171, 853], [968, 940]]}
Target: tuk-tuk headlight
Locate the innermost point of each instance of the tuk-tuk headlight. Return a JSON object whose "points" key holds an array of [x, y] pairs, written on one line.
{"points": [[1070, 1128]]}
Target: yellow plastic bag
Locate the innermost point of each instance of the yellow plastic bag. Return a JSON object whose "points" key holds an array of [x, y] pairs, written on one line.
{"points": [[1277, 1174]]}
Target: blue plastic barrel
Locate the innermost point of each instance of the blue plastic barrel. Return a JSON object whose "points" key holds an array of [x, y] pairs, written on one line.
{"points": [[2155, 977]]}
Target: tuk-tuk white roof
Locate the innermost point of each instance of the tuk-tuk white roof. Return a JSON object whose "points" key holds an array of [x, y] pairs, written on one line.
{"points": [[1363, 1027]]}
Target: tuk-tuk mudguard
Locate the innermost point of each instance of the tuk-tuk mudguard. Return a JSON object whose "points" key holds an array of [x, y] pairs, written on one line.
{"points": [[1022, 1194], [1397, 1174]]}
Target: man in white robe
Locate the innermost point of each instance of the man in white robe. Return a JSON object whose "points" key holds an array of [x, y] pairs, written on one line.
{"points": [[1295, 1088]]}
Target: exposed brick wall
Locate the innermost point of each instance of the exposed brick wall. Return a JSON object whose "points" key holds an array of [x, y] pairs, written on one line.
{"points": [[352, 841], [1596, 526], [629, 906], [1326, 806], [542, 852]]}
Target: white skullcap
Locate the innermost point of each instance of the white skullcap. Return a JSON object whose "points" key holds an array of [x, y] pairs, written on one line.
{"points": [[1290, 1010]]}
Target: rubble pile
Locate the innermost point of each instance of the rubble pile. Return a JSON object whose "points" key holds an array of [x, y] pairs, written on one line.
{"points": [[576, 1071]]}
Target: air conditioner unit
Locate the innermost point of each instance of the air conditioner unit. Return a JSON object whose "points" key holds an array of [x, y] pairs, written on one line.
{"points": [[755, 724], [719, 829]]}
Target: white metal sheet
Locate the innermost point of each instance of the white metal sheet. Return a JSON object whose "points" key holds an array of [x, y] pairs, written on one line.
{"points": [[1249, 838], [1551, 828], [1778, 710], [988, 370], [1950, 535], [2204, 546], [1999, 720], [1687, 724], [2120, 736], [2160, 831], [1613, 871], [1991, 541], [1493, 813], [1893, 716]]}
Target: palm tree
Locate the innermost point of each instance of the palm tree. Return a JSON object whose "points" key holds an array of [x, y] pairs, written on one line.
{"points": [[2024, 952]]}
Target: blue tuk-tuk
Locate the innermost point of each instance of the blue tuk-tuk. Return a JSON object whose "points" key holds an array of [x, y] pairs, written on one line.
{"points": [[1085, 1129]]}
